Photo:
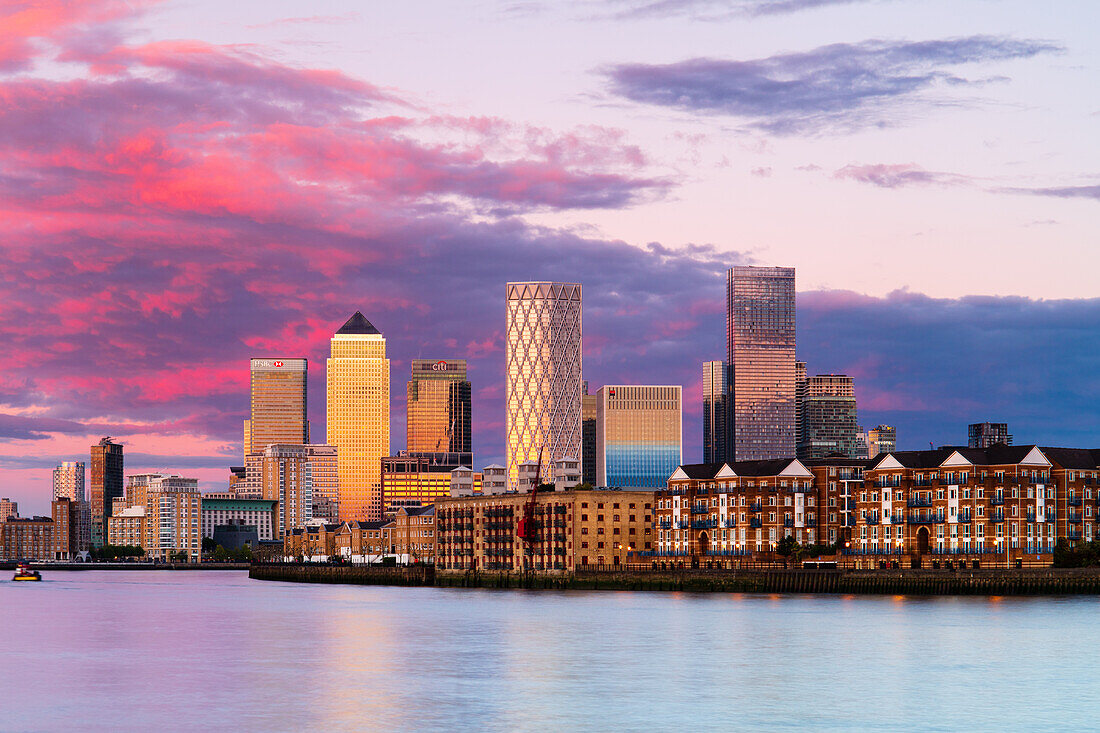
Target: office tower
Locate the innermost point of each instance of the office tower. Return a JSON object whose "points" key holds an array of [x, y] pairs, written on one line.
{"points": [[715, 412], [438, 409], [68, 483], [760, 333], [287, 478], [413, 479], [358, 409], [542, 373], [106, 485], [638, 439], [589, 404], [278, 404], [8, 508], [881, 439], [828, 411], [988, 434]]}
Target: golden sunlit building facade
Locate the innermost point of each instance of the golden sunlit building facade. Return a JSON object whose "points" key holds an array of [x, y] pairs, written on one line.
{"points": [[358, 412]]}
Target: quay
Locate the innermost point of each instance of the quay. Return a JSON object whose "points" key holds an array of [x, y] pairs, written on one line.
{"points": [[47, 566], [994, 582]]}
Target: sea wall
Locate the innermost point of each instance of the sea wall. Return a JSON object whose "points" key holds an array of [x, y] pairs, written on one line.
{"points": [[1046, 581], [48, 566]]}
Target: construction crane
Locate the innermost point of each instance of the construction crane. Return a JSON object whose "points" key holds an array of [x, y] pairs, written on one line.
{"points": [[526, 529]]}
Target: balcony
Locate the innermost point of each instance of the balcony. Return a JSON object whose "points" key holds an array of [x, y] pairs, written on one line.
{"points": [[788, 522], [897, 518], [704, 524], [870, 519], [998, 516], [997, 500], [700, 509], [927, 518], [730, 523], [922, 483], [964, 517], [811, 521], [1074, 535], [849, 521], [1075, 501], [665, 524], [1051, 516], [1074, 518], [755, 522], [915, 502], [756, 507], [1031, 516], [683, 524]]}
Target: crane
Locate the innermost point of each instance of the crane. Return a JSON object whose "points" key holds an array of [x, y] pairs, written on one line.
{"points": [[525, 530]]}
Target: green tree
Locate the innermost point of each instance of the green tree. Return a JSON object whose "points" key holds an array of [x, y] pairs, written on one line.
{"points": [[787, 546], [221, 554], [208, 545]]}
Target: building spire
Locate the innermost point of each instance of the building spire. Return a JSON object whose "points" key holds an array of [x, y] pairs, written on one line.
{"points": [[358, 325]]}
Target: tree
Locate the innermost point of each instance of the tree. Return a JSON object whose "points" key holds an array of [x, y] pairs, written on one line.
{"points": [[208, 545], [583, 487], [787, 546], [220, 554]]}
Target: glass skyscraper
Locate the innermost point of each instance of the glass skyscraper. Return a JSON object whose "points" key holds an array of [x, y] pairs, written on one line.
{"points": [[358, 409], [638, 435], [827, 414], [106, 486], [438, 409], [542, 373], [278, 404], [715, 412], [760, 337]]}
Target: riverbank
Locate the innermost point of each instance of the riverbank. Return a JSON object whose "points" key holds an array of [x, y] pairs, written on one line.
{"points": [[1047, 581], [47, 566]]}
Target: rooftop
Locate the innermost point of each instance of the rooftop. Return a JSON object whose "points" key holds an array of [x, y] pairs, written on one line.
{"points": [[358, 325]]}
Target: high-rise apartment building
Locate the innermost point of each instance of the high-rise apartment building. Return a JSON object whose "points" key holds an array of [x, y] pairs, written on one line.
{"points": [[638, 435], [881, 439], [173, 528], [106, 485], [988, 434], [287, 478], [8, 508], [325, 471], [542, 373], [358, 410], [438, 409], [800, 380], [827, 407], [68, 483], [760, 332], [715, 412], [589, 408]]}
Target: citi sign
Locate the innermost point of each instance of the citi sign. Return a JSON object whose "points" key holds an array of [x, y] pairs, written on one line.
{"points": [[439, 366]]}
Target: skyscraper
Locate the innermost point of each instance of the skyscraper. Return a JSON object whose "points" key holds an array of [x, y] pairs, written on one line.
{"points": [[68, 481], [358, 410], [589, 409], [278, 404], [760, 332], [287, 477], [438, 409], [106, 486], [988, 434], [828, 414], [715, 412], [542, 373], [638, 438], [881, 439]]}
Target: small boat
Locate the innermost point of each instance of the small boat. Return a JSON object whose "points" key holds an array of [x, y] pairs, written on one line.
{"points": [[24, 572]]}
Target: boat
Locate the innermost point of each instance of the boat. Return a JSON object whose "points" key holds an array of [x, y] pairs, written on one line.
{"points": [[24, 572]]}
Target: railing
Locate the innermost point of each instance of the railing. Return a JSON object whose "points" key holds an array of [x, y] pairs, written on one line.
{"points": [[922, 483], [1031, 516], [700, 509], [736, 552], [665, 524], [1074, 518], [871, 519], [704, 524], [788, 522], [756, 507], [897, 518], [871, 551], [1075, 501], [1074, 535], [755, 522], [964, 517], [997, 500], [810, 521], [1051, 516], [683, 524], [976, 550], [850, 521], [730, 523], [931, 518], [998, 516], [915, 502]]}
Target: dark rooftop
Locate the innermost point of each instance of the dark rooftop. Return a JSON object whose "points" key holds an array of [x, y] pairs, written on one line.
{"points": [[358, 324]]}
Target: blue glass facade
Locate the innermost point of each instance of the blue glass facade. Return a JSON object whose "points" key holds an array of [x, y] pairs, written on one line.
{"points": [[638, 435], [640, 465]]}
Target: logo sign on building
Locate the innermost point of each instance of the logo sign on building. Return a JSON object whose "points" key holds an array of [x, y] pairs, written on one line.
{"points": [[439, 366]]}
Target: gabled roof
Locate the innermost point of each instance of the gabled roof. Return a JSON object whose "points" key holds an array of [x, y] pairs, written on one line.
{"points": [[358, 325], [418, 511], [698, 470], [957, 456], [1075, 458], [748, 469]]}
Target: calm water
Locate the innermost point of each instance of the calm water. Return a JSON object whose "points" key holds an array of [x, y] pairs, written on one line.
{"points": [[213, 650]]}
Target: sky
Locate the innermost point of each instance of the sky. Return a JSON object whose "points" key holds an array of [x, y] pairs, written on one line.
{"points": [[186, 184]]}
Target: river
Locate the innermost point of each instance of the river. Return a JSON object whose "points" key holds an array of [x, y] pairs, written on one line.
{"points": [[212, 650]]}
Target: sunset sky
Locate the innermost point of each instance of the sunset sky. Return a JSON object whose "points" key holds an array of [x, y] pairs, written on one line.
{"points": [[187, 184]]}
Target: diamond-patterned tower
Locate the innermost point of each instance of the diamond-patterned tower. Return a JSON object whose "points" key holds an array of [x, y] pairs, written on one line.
{"points": [[542, 373]]}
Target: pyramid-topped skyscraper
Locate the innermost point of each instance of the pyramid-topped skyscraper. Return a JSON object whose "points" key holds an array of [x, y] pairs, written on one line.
{"points": [[358, 412]]}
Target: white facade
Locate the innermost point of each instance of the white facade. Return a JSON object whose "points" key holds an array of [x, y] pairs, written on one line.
{"points": [[542, 372], [494, 479]]}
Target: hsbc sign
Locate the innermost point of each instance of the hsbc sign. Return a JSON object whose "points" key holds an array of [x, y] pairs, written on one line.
{"points": [[298, 365]]}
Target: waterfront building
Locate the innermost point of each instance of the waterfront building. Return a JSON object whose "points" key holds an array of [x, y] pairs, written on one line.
{"points": [[837, 482], [881, 439], [288, 481], [465, 482], [720, 512], [760, 331], [106, 484], [988, 434], [358, 410], [638, 435], [68, 483], [42, 538], [263, 514], [827, 411], [127, 527], [8, 508], [589, 407], [313, 543], [172, 517], [412, 479], [410, 535], [361, 542], [715, 412], [542, 373], [494, 479], [325, 473], [438, 409], [577, 528]]}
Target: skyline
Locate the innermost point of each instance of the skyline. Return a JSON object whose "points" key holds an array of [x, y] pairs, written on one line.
{"points": [[155, 247]]}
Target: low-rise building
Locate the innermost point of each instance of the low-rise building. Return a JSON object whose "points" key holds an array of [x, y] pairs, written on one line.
{"points": [[361, 542], [410, 536], [494, 479], [8, 508], [573, 529], [312, 543], [258, 513], [55, 537]]}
